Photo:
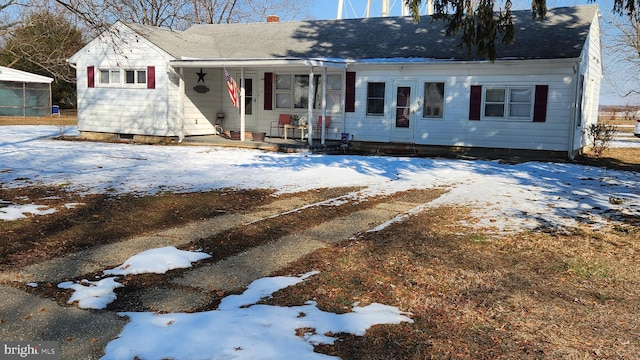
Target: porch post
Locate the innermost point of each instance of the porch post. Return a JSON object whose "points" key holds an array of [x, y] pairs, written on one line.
{"points": [[182, 92], [343, 100], [324, 105], [241, 106], [310, 108]]}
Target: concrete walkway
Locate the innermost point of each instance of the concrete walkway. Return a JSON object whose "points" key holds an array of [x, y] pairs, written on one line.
{"points": [[83, 334]]}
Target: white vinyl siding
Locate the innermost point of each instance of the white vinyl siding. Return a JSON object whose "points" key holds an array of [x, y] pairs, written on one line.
{"points": [[455, 129], [201, 109], [120, 108]]}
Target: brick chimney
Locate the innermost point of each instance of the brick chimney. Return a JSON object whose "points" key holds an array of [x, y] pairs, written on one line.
{"points": [[273, 18]]}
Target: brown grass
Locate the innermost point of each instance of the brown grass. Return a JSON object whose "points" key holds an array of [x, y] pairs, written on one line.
{"points": [[529, 295], [66, 118]]}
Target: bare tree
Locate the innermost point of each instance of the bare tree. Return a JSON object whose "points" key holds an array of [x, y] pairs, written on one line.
{"points": [[180, 14], [8, 19], [41, 44], [258, 10], [623, 43]]}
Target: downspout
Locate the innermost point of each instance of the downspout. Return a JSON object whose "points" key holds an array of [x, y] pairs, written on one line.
{"points": [[24, 98], [50, 101], [75, 67], [576, 96]]}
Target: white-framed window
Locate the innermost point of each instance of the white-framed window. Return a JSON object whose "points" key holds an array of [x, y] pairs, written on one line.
{"points": [[135, 76], [433, 100], [334, 93], [122, 77], [375, 98], [292, 91], [508, 102], [284, 86], [110, 77]]}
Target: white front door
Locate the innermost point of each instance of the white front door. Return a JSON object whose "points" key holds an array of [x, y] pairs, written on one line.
{"points": [[403, 108]]}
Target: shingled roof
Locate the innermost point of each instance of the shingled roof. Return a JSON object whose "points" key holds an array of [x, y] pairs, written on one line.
{"points": [[562, 34]]}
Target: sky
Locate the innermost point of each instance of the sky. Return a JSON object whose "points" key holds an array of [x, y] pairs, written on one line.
{"points": [[612, 88], [503, 197]]}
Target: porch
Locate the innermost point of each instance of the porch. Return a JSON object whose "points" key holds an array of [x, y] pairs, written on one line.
{"points": [[276, 144]]}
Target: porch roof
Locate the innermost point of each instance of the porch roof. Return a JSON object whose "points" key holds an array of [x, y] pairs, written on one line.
{"points": [[281, 62]]}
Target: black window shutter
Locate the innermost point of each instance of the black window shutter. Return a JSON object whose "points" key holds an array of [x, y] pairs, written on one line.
{"points": [[268, 91], [475, 102], [151, 77], [540, 104], [91, 76], [350, 93]]}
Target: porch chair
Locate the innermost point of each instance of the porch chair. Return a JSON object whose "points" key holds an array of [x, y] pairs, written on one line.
{"points": [[327, 122], [282, 120]]}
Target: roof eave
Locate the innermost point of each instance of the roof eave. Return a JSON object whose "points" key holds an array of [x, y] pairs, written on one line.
{"points": [[254, 62]]}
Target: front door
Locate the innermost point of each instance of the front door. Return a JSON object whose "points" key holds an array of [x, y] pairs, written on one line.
{"points": [[249, 102], [403, 111]]}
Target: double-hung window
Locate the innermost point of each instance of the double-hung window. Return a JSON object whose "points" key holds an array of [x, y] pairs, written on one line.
{"points": [[123, 77], [334, 92], [292, 91], [509, 103], [133, 77], [110, 77], [284, 86], [375, 98]]}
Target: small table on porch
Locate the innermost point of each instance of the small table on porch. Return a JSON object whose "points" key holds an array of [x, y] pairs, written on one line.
{"points": [[302, 128]]}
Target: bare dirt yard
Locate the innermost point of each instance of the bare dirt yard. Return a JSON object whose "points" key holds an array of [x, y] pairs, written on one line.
{"points": [[473, 295]]}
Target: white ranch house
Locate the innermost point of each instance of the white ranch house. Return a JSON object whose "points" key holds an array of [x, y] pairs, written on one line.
{"points": [[381, 80]]}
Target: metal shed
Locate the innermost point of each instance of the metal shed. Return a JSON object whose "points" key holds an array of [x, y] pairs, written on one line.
{"points": [[24, 94]]}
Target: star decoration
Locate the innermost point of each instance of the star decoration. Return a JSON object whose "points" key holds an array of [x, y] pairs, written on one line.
{"points": [[201, 75]]}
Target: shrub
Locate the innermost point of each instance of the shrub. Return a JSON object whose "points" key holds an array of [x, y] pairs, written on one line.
{"points": [[600, 135]]}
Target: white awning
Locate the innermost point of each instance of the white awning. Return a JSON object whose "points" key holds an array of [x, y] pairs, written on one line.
{"points": [[8, 74]]}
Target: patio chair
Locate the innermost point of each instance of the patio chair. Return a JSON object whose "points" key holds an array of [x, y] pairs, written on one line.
{"points": [[327, 122], [282, 120]]}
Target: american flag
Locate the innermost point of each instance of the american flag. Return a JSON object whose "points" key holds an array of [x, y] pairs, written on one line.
{"points": [[233, 89]]}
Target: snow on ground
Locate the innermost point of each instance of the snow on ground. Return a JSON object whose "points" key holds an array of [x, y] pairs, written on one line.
{"points": [[506, 197], [242, 329], [157, 261], [14, 212], [99, 294]]}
